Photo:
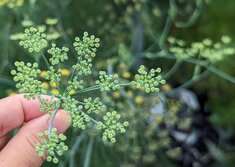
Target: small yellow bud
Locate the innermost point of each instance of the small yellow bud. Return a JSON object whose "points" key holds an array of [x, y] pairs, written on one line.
{"points": [[53, 84], [12, 94], [159, 118], [45, 84], [122, 65], [72, 91], [133, 87], [65, 72], [55, 91], [126, 74], [139, 99], [43, 74], [116, 94], [129, 93], [166, 87], [142, 88]]}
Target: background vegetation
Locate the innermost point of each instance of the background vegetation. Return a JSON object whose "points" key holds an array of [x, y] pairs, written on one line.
{"points": [[189, 123]]}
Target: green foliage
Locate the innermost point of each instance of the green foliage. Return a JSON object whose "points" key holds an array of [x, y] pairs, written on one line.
{"points": [[107, 82], [58, 55], [51, 144], [94, 105], [121, 24], [149, 81], [86, 47], [26, 78], [34, 39], [90, 113], [111, 126], [206, 49], [11, 3]]}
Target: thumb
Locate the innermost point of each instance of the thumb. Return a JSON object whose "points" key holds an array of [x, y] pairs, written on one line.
{"points": [[20, 151]]}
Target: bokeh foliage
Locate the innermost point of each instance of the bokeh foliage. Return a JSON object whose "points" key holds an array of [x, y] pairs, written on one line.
{"points": [[128, 30]]}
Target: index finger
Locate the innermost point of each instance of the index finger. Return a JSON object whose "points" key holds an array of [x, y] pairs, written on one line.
{"points": [[15, 110]]}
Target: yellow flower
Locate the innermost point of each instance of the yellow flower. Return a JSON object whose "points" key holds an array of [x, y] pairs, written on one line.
{"points": [[126, 74], [65, 72], [129, 93], [43, 74], [133, 87], [55, 91], [159, 118], [116, 94], [12, 93], [122, 65], [166, 87], [45, 84], [72, 91], [53, 84], [142, 88], [139, 99]]}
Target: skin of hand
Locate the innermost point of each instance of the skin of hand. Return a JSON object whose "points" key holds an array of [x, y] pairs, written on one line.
{"points": [[17, 112]]}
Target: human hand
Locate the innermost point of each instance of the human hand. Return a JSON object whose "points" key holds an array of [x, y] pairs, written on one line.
{"points": [[16, 112]]}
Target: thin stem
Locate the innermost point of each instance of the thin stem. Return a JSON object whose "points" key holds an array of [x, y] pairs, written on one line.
{"points": [[193, 18], [193, 80], [93, 120], [165, 33], [95, 87], [125, 84], [79, 102], [75, 147], [5, 55], [45, 60], [52, 120], [88, 153], [173, 69], [205, 64], [70, 79], [221, 74]]}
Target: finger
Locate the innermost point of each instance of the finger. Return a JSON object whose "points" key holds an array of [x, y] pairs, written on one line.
{"points": [[20, 151], [16, 110], [3, 141]]}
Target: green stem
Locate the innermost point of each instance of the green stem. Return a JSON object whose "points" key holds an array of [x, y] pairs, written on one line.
{"points": [[125, 84], [165, 33], [4, 49], [45, 60], [95, 87], [193, 80], [193, 18], [74, 148], [79, 102], [221, 74], [70, 79], [88, 153], [93, 120], [52, 120], [205, 64], [173, 69]]}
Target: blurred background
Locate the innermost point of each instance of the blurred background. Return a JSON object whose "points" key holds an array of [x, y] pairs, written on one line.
{"points": [[190, 122]]}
